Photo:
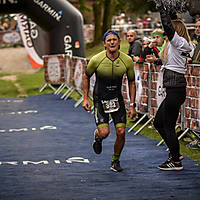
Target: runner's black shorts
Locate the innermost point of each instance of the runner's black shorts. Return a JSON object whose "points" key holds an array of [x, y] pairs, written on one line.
{"points": [[102, 118]]}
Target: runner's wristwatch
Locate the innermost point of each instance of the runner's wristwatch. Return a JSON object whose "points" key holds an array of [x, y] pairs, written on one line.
{"points": [[132, 104]]}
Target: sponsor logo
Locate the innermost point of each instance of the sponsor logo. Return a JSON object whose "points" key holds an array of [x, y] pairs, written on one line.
{"points": [[26, 30], [68, 45], [56, 15], [8, 1], [29, 29], [46, 162], [77, 44]]}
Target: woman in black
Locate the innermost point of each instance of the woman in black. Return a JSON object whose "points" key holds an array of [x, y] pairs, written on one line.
{"points": [[174, 64]]}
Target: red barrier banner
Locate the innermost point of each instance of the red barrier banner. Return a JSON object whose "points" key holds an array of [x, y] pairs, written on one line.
{"points": [[54, 69], [157, 92], [78, 67], [125, 91], [67, 68], [142, 87], [192, 103]]}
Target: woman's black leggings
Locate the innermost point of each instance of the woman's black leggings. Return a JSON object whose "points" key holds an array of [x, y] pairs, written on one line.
{"points": [[166, 117]]}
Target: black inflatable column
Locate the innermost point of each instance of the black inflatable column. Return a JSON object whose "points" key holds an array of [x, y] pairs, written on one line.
{"points": [[59, 18]]}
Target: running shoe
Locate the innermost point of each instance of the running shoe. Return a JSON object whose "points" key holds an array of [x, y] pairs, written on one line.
{"points": [[115, 166], [169, 164], [97, 144]]}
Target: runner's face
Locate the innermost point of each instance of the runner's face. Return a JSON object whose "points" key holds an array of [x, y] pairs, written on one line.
{"points": [[112, 43]]}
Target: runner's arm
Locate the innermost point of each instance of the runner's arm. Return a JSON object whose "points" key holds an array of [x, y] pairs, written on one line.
{"points": [[132, 95], [86, 86]]}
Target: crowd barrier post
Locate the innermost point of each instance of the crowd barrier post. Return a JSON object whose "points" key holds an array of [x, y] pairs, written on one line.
{"points": [[149, 100], [68, 78], [142, 91]]}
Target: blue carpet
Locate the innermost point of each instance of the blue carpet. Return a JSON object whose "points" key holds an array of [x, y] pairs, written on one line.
{"points": [[41, 135]]}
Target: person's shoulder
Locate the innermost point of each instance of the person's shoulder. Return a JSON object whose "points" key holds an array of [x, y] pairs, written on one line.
{"points": [[101, 55], [125, 57], [138, 40]]}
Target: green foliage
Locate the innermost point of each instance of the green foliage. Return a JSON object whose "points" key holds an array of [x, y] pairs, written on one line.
{"points": [[5, 17], [7, 89], [32, 83]]}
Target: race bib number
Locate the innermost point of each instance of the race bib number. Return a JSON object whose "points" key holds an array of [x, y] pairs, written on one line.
{"points": [[111, 105]]}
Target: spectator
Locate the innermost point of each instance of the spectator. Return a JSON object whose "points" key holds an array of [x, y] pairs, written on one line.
{"points": [[158, 45], [157, 24], [149, 49], [6, 25], [175, 83], [139, 26], [135, 47], [1, 27], [196, 56], [159, 38]]}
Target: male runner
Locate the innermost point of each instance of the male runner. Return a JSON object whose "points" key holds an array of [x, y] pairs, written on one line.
{"points": [[109, 67]]}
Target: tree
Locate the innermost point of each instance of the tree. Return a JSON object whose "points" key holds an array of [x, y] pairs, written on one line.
{"points": [[103, 11], [97, 11]]}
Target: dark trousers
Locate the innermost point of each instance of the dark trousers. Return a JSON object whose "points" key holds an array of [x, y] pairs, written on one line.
{"points": [[166, 117]]}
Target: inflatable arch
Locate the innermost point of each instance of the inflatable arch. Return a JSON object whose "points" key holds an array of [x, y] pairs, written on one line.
{"points": [[59, 30]]}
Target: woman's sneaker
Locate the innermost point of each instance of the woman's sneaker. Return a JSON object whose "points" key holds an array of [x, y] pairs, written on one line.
{"points": [[97, 144], [115, 166], [169, 164]]}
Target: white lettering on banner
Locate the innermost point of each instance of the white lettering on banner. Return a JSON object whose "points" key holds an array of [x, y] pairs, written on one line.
{"points": [[77, 159], [161, 93], [48, 127], [27, 129], [33, 31], [8, 1], [26, 30], [18, 130], [46, 162], [138, 83], [22, 112], [9, 163], [68, 45], [56, 15], [13, 101]]}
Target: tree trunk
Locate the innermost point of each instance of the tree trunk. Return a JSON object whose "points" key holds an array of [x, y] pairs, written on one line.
{"points": [[109, 6], [97, 7]]}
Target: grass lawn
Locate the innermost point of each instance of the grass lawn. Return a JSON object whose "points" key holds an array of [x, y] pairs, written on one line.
{"points": [[31, 83]]}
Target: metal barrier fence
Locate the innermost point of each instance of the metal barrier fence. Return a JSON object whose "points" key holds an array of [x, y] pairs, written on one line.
{"points": [[68, 71]]}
